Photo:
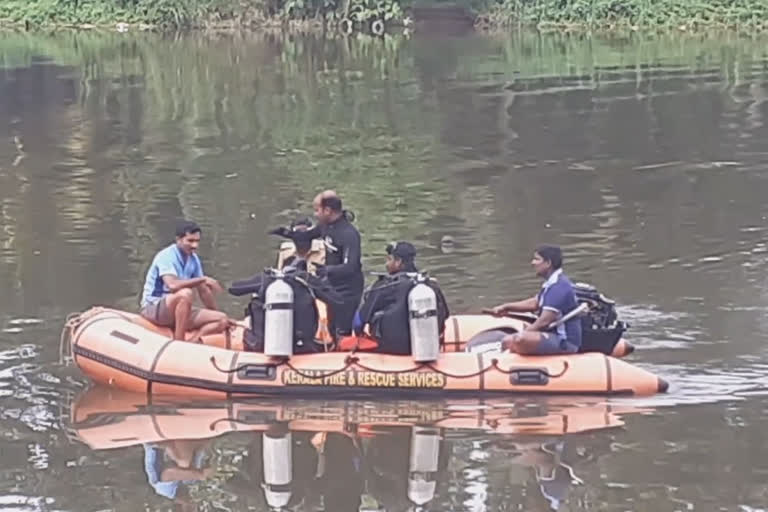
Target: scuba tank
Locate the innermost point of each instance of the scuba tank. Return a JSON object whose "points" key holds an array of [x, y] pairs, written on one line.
{"points": [[423, 322], [423, 464], [278, 469], [278, 318]]}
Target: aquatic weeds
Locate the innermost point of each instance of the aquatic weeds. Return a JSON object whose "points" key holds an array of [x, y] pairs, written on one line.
{"points": [[375, 16], [632, 14]]}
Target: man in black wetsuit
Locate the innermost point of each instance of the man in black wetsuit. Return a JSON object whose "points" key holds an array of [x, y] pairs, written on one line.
{"points": [[343, 267], [385, 305]]}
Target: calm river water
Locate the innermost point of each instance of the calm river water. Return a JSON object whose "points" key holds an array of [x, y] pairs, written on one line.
{"points": [[645, 158]]}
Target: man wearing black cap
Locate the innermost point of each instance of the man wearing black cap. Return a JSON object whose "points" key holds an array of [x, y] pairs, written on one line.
{"points": [[400, 258], [385, 304]]}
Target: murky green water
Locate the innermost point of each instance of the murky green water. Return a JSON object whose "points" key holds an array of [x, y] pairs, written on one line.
{"points": [[644, 158]]}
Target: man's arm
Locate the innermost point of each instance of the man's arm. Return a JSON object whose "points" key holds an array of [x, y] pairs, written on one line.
{"points": [[551, 309], [542, 322], [521, 306], [366, 308], [167, 272], [351, 256], [175, 284], [206, 290], [315, 232]]}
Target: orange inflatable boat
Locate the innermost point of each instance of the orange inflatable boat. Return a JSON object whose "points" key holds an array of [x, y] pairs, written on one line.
{"points": [[105, 418], [125, 351]]}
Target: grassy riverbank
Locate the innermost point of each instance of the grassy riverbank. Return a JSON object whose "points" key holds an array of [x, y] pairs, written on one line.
{"points": [[173, 14], [633, 14], [368, 15]]}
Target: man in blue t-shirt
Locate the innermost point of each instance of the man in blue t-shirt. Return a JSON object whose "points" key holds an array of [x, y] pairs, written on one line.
{"points": [[175, 273], [555, 300]]}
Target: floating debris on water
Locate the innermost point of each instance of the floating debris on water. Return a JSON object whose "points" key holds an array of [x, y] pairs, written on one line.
{"points": [[717, 165], [710, 259], [580, 167], [447, 244], [657, 166], [25, 321]]}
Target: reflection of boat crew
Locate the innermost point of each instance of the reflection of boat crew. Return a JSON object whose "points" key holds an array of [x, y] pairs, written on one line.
{"points": [[304, 467], [278, 467], [405, 465], [341, 485], [423, 464], [553, 476], [279, 462], [555, 483], [172, 465]]}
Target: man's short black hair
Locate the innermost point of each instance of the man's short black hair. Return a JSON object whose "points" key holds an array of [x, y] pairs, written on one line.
{"points": [[552, 254], [187, 227], [332, 202]]}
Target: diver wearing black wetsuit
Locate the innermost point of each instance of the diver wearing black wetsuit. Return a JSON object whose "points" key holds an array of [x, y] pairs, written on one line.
{"points": [[343, 267], [385, 303]]}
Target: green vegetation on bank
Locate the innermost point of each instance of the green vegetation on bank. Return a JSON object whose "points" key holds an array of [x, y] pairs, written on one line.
{"points": [[636, 14], [375, 15], [199, 13]]}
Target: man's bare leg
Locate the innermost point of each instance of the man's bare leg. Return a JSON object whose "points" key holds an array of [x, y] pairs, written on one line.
{"points": [[205, 292], [525, 342], [180, 306], [210, 322]]}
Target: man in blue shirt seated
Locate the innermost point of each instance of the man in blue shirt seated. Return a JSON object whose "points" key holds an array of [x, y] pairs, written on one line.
{"points": [[555, 300], [175, 273]]}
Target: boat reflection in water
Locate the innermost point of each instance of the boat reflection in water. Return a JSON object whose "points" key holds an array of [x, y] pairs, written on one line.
{"points": [[335, 456]]}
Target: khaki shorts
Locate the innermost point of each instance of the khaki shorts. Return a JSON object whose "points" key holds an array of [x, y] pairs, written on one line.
{"points": [[159, 314]]}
